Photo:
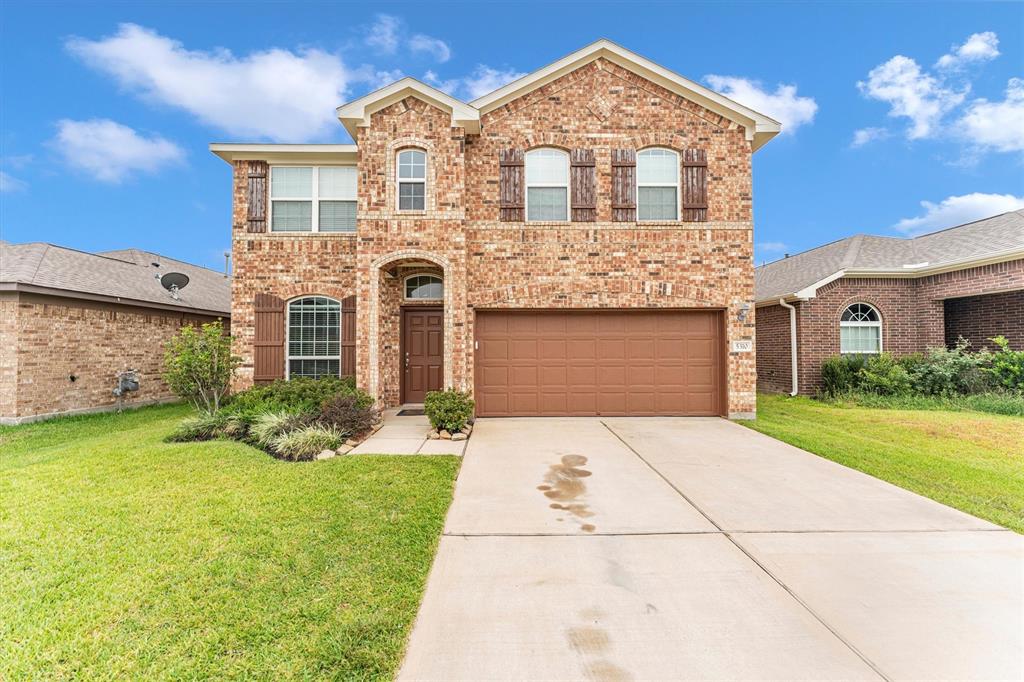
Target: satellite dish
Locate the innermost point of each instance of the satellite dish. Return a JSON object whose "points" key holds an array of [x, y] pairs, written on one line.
{"points": [[174, 282]]}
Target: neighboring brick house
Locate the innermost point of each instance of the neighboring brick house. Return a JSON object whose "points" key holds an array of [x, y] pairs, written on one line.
{"points": [[868, 294], [70, 322], [577, 242]]}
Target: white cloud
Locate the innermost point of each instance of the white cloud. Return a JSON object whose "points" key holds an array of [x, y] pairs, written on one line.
{"points": [[10, 184], [865, 135], [996, 125], [979, 47], [957, 210], [383, 34], [912, 94], [482, 80], [784, 105], [771, 247], [276, 94], [433, 46], [111, 152]]}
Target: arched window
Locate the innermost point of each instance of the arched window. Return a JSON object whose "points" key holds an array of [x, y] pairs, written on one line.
{"points": [[860, 330], [314, 337], [411, 170], [657, 182], [424, 288], [547, 184]]}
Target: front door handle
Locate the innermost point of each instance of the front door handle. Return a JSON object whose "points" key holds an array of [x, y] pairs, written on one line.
{"points": [[406, 362]]}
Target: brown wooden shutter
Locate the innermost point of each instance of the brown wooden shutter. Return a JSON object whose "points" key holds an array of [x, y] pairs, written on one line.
{"points": [[348, 336], [695, 185], [583, 183], [257, 196], [623, 185], [268, 344], [512, 185]]}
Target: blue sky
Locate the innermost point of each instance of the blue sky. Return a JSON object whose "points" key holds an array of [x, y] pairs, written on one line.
{"points": [[901, 118]]}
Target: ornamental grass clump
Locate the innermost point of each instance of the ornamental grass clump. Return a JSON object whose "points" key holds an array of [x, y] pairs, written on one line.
{"points": [[268, 427], [307, 442]]}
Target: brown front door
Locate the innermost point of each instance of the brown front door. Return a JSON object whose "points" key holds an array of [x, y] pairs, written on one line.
{"points": [[422, 352], [607, 362]]}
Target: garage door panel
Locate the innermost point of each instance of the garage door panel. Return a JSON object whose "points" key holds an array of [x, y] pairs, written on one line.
{"points": [[601, 362]]}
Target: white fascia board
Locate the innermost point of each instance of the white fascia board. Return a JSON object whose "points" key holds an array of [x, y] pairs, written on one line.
{"points": [[938, 268], [356, 114], [808, 292], [759, 128], [286, 153]]}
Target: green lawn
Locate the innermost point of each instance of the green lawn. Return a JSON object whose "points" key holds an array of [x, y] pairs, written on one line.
{"points": [[125, 557], [968, 460]]}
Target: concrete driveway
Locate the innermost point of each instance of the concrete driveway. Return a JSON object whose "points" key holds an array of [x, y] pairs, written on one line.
{"points": [[658, 548]]}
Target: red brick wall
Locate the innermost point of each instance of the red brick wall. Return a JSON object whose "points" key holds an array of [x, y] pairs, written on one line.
{"points": [[55, 338], [912, 311], [774, 359], [979, 318]]}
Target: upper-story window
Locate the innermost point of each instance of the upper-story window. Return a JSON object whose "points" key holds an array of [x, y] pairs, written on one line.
{"points": [[412, 180], [312, 199], [424, 288], [547, 185], [657, 179], [860, 330]]}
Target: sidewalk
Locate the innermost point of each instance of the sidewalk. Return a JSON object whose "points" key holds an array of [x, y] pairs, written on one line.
{"points": [[406, 436]]}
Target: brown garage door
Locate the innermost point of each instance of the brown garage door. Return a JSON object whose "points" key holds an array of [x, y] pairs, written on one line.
{"points": [[609, 362]]}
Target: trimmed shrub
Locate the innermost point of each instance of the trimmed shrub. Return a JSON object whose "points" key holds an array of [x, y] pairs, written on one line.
{"points": [[270, 426], [884, 375], [943, 371], [347, 414], [450, 410], [294, 395], [841, 373], [201, 427], [1006, 366], [307, 442]]}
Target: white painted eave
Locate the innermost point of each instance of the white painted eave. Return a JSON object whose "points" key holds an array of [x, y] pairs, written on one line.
{"points": [[286, 153], [759, 128], [356, 114]]}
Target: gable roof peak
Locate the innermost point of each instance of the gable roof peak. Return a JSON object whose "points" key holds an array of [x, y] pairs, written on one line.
{"points": [[356, 114]]}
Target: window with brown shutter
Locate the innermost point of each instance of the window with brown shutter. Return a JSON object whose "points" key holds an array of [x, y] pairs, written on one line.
{"points": [[695, 185], [512, 185], [623, 185], [268, 343], [257, 196], [583, 182]]}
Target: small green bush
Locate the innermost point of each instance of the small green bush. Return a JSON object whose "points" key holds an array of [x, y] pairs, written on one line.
{"points": [[348, 415], [1006, 366], [450, 410], [884, 375], [841, 373], [307, 442], [948, 371], [201, 427], [268, 427], [198, 365], [295, 395]]}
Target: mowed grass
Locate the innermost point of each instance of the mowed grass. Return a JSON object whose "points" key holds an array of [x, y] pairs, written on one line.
{"points": [[968, 460], [123, 557]]}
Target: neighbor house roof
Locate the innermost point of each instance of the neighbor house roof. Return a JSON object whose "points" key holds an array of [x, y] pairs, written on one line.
{"points": [[992, 240], [129, 276]]}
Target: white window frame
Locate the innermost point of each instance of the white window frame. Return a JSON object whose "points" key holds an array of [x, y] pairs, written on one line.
{"points": [[528, 185], [288, 357], [678, 185], [405, 286], [399, 181], [843, 323], [313, 197]]}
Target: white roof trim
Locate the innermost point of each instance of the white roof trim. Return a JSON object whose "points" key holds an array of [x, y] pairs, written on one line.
{"points": [[759, 128], [356, 114], [285, 153]]}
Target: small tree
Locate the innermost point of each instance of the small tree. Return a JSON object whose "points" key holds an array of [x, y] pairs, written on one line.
{"points": [[198, 365]]}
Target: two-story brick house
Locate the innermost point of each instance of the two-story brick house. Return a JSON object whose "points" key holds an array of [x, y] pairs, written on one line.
{"points": [[577, 242]]}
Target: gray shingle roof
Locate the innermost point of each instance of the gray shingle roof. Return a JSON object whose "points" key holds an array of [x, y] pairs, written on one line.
{"points": [[129, 274], [974, 241]]}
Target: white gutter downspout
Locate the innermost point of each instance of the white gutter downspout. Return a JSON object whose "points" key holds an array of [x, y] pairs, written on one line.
{"points": [[792, 344]]}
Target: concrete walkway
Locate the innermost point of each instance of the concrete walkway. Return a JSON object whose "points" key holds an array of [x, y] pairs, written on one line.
{"points": [[406, 435], [653, 549]]}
